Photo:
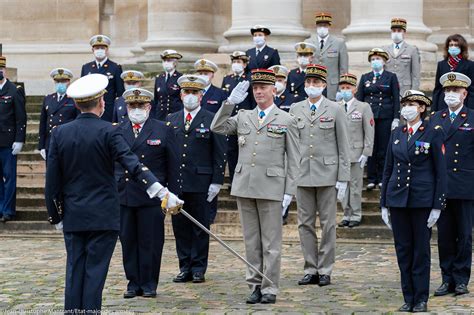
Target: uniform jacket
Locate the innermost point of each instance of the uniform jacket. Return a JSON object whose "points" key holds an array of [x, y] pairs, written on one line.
{"points": [[167, 95], [213, 98], [406, 65], [230, 82], [267, 58], [295, 83], [12, 115], [120, 111], [286, 99]]}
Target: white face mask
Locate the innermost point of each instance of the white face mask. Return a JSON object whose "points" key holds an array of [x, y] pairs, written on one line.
{"points": [[129, 86], [313, 91], [259, 41], [303, 61], [237, 68], [99, 54], [280, 87], [205, 78], [410, 113], [322, 31], [452, 99], [168, 66], [397, 37], [138, 115], [190, 102]]}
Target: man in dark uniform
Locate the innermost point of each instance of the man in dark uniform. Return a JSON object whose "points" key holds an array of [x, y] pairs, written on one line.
{"points": [[283, 98], [12, 138], [81, 191], [142, 230], [57, 109], [103, 65], [296, 77], [262, 56], [212, 95], [131, 79], [454, 224], [167, 98], [202, 160]]}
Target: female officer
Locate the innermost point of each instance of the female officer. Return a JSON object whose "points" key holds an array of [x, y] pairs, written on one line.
{"points": [[380, 89], [414, 189]]}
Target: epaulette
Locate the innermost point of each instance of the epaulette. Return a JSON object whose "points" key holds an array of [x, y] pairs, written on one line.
{"points": [[18, 86]]}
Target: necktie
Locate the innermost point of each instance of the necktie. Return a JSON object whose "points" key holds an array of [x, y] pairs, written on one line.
{"points": [[187, 124], [258, 51], [167, 76], [345, 107], [98, 66], [452, 116], [410, 132], [397, 46], [313, 109], [136, 129], [261, 116], [322, 44], [60, 98]]}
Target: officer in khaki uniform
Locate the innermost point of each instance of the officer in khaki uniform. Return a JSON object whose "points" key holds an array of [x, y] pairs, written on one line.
{"points": [[324, 169], [360, 122], [264, 179], [404, 59]]}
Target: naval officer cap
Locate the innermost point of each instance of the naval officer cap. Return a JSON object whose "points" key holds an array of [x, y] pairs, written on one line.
{"points": [[239, 55], [132, 76], [280, 71], [100, 40], [137, 95], [61, 74], [170, 54], [88, 88], [455, 79], [205, 65], [305, 48], [416, 96], [260, 28], [191, 82]]}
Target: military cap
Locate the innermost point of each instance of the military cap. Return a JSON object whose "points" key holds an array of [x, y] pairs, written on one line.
{"points": [[305, 48], [399, 23], [239, 55], [455, 79], [191, 82], [348, 78], [137, 95], [170, 54], [61, 74], [100, 40], [3, 62], [280, 71], [263, 76], [316, 71], [322, 17], [378, 52], [132, 76], [260, 28], [416, 96], [88, 88], [205, 65]]}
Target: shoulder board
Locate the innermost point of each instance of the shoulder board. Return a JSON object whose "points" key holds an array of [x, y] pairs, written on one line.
{"points": [[115, 124], [438, 127], [433, 112], [168, 123], [18, 86]]}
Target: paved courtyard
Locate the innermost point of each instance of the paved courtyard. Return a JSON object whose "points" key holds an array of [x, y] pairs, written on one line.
{"points": [[365, 281]]}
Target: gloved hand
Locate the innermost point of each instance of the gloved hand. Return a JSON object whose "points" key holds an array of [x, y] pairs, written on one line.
{"points": [[16, 147], [433, 218], [386, 217], [395, 123], [341, 190], [173, 201], [239, 93], [213, 191], [59, 226], [43, 154], [362, 160], [285, 203]]}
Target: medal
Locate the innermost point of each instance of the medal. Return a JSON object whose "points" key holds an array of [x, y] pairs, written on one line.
{"points": [[427, 146]]}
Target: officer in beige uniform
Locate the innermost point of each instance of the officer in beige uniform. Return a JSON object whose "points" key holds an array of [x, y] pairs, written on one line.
{"points": [[264, 179], [361, 135], [324, 169], [404, 59]]}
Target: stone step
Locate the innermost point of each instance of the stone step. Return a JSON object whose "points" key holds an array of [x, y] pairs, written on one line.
{"points": [[29, 156], [33, 107], [33, 116], [32, 127], [38, 167], [34, 98]]}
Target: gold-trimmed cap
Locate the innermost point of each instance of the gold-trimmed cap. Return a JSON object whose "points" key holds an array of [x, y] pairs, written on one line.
{"points": [[280, 71], [348, 78], [61, 74], [455, 79], [205, 65], [170, 54], [191, 82], [316, 71], [260, 28], [398, 23], [100, 40], [132, 76], [88, 88], [239, 55], [263, 76], [323, 17], [378, 52], [137, 95], [305, 48], [3, 62], [417, 96]]}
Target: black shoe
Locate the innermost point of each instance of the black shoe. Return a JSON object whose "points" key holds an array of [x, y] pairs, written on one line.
{"points": [[285, 221], [255, 297], [6, 218], [420, 307], [353, 224], [324, 280], [461, 289], [309, 279], [269, 299], [343, 223], [130, 294], [198, 277], [183, 277], [444, 289], [407, 307], [149, 294]]}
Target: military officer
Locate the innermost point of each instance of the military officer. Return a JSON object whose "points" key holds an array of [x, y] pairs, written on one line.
{"points": [[131, 79], [142, 231], [262, 56], [283, 96], [330, 52], [404, 59], [360, 122], [264, 179], [380, 89], [103, 65], [12, 138], [57, 108], [455, 225], [213, 96], [167, 96], [324, 170], [202, 160], [81, 192], [304, 57]]}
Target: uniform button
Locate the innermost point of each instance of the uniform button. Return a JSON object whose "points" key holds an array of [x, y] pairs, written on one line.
{"points": [[185, 136], [311, 136], [409, 171], [380, 92], [398, 178], [253, 164], [409, 164], [455, 161], [310, 145], [380, 104], [126, 172], [380, 98], [254, 154], [143, 156], [185, 145], [398, 185], [310, 156], [455, 169], [398, 171], [408, 185], [126, 179], [457, 144], [184, 154], [183, 165], [408, 178], [258, 132], [456, 152], [51, 115], [312, 125], [256, 142], [398, 164], [144, 181]]}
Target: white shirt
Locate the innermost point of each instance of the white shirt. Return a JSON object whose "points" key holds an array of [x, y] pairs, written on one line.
{"points": [[206, 89], [325, 39], [101, 63], [317, 103], [193, 113], [415, 126], [456, 112], [3, 84], [140, 129], [260, 49], [266, 111], [397, 50], [60, 96], [381, 72], [349, 104]]}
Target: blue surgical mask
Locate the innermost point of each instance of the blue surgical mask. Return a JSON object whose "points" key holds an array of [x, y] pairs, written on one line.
{"points": [[338, 96], [61, 88], [376, 64], [454, 51], [346, 95]]}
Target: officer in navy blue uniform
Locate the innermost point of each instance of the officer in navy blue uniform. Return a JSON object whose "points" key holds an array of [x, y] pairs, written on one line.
{"points": [[131, 79], [455, 225], [167, 97], [202, 163], [262, 56], [213, 96], [142, 230], [283, 98], [380, 89], [57, 109], [413, 196], [81, 192], [296, 77], [12, 138], [103, 65]]}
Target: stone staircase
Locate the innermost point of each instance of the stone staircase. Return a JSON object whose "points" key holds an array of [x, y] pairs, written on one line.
{"points": [[31, 211]]}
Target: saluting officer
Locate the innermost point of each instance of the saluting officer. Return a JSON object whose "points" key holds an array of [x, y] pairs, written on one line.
{"points": [[283, 96], [455, 224], [304, 57], [201, 174], [167, 96], [213, 96], [103, 65], [264, 179], [12, 138], [262, 56], [131, 79], [404, 58], [57, 108], [324, 170], [81, 192], [360, 122]]}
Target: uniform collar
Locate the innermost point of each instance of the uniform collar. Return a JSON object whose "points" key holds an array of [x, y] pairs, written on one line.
{"points": [[400, 44], [170, 73], [318, 103], [261, 48], [415, 126], [457, 111], [193, 113], [349, 104], [266, 111], [102, 62], [3, 84], [379, 72], [325, 39]]}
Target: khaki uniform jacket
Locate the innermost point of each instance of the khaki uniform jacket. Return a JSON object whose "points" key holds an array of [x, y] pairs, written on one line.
{"points": [[360, 121], [406, 65]]}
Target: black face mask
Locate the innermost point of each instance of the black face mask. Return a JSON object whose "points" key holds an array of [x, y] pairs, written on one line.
{"points": [[1, 76]]}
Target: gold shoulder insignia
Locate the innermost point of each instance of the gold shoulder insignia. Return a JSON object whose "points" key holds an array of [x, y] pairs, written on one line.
{"points": [[18, 86], [168, 123]]}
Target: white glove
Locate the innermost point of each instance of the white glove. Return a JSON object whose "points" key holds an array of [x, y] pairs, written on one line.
{"points": [[285, 203], [386, 217], [16, 147], [157, 190], [341, 190], [362, 160], [173, 201], [43, 154], [395, 123], [239, 93], [433, 218], [59, 226], [213, 191]]}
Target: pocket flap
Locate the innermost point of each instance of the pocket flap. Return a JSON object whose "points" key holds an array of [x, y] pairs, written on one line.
{"points": [[238, 168], [243, 131], [275, 171], [204, 170], [329, 160]]}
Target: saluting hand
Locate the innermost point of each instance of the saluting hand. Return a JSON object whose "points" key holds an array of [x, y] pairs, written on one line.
{"points": [[239, 93]]}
